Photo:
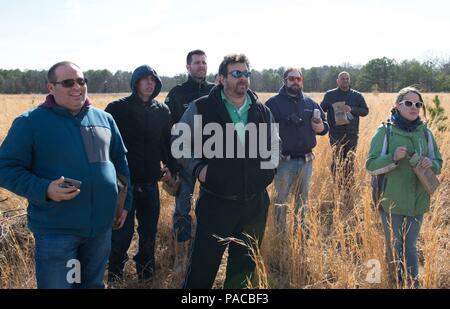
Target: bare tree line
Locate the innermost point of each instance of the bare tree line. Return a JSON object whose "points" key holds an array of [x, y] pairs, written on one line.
{"points": [[380, 74]]}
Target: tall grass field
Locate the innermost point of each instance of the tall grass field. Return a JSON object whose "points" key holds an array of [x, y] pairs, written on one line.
{"points": [[345, 247]]}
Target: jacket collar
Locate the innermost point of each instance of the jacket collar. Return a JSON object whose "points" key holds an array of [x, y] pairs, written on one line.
{"points": [[50, 103], [342, 91], [284, 93], [216, 98], [215, 94], [136, 99], [192, 83]]}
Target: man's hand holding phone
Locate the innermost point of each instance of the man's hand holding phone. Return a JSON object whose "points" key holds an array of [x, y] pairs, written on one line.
{"points": [[63, 189]]}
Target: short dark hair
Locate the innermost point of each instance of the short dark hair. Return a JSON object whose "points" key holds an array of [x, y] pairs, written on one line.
{"points": [[289, 70], [232, 59], [194, 52], [51, 75]]}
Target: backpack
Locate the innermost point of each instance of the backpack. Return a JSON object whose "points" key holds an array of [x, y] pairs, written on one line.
{"points": [[378, 181]]}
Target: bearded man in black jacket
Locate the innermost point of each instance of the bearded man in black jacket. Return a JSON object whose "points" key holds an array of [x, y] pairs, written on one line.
{"points": [[233, 199]]}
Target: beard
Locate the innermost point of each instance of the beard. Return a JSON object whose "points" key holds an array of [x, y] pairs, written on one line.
{"points": [[241, 88], [294, 90], [199, 74]]}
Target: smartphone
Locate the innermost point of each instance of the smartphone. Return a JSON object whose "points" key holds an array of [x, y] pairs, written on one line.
{"points": [[316, 116], [69, 182], [316, 113]]}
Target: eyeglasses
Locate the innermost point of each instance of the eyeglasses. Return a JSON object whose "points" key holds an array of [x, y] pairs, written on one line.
{"points": [[417, 104], [69, 83], [294, 78], [239, 74]]}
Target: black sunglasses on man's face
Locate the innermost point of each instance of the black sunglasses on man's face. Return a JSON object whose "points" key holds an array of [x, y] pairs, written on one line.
{"points": [[69, 83]]}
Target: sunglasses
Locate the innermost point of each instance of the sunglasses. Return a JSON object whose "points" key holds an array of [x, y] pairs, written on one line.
{"points": [[417, 104], [239, 74], [69, 83], [294, 78]]}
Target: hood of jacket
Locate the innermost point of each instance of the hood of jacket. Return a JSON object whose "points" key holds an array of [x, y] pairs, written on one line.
{"points": [[143, 71]]}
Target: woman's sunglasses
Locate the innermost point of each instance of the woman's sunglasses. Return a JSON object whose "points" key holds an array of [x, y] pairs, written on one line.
{"points": [[417, 104], [69, 83]]}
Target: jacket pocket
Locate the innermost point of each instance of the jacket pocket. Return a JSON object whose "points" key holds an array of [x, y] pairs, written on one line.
{"points": [[96, 142]]}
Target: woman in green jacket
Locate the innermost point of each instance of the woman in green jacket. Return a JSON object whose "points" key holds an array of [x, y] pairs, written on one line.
{"points": [[404, 199]]}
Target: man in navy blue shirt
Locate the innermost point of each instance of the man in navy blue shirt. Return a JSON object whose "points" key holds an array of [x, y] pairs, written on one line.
{"points": [[298, 128]]}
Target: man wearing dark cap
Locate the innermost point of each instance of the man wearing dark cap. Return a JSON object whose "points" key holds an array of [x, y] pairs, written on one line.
{"points": [[145, 127]]}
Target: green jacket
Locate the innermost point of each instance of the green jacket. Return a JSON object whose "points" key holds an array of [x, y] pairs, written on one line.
{"points": [[403, 193]]}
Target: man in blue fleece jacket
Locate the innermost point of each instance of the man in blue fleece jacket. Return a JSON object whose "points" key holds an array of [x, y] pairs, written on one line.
{"points": [[67, 137]]}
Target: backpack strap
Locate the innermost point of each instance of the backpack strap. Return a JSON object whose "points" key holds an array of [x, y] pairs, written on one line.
{"points": [[384, 151], [429, 138], [387, 134]]}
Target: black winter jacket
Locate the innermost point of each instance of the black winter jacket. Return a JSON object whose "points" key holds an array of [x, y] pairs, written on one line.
{"points": [[352, 98], [145, 129], [180, 96], [237, 177]]}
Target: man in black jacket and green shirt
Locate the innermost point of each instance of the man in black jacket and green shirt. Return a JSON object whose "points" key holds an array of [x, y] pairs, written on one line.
{"points": [[233, 200], [344, 138], [178, 100], [145, 127]]}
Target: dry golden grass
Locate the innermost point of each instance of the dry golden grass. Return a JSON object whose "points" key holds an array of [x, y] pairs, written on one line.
{"points": [[341, 242]]}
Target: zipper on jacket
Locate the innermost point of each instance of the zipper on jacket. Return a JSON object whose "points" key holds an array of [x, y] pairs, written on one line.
{"points": [[91, 232], [91, 129]]}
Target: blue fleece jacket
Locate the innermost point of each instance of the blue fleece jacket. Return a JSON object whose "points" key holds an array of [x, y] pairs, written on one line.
{"points": [[49, 142], [296, 140]]}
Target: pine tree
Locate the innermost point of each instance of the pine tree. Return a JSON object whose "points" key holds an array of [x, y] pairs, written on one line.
{"points": [[437, 118]]}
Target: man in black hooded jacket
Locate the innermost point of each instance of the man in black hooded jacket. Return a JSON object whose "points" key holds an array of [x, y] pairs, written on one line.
{"points": [[145, 127]]}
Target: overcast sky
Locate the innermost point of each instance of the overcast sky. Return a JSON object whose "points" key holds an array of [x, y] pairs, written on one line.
{"points": [[121, 35]]}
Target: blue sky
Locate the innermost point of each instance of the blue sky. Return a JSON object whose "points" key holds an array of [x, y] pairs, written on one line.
{"points": [[115, 35]]}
